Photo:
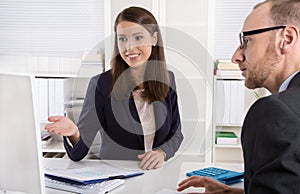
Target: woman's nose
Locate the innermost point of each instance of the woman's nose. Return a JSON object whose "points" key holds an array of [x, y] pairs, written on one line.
{"points": [[130, 45]]}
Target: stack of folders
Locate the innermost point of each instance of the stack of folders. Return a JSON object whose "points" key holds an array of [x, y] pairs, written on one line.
{"points": [[224, 68], [226, 138], [88, 179], [91, 174]]}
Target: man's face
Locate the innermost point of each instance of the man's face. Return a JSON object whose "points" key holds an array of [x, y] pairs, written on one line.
{"points": [[258, 58]]}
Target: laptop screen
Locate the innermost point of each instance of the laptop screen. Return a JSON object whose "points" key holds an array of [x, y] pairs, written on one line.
{"points": [[20, 148]]}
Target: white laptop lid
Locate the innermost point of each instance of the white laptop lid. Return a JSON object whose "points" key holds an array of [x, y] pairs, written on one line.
{"points": [[20, 144]]}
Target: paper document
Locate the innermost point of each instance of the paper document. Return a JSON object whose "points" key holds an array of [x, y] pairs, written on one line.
{"points": [[92, 174]]}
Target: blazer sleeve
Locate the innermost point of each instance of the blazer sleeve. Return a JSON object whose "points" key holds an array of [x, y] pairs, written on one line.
{"points": [[271, 142], [175, 137], [88, 124]]}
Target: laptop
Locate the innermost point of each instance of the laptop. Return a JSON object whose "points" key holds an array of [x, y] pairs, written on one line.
{"points": [[21, 169]]}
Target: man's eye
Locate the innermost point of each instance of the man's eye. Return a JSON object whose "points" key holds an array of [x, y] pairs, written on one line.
{"points": [[246, 40]]}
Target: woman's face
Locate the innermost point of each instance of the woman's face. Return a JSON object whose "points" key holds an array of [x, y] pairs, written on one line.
{"points": [[134, 43]]}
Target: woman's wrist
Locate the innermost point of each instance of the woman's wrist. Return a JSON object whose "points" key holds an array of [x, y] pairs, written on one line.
{"points": [[163, 153], [74, 138]]}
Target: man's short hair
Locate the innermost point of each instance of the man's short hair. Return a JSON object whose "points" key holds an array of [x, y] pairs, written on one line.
{"points": [[284, 12]]}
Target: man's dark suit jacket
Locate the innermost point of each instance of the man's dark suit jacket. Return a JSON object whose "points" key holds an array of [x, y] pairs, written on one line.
{"points": [[119, 125], [271, 143]]}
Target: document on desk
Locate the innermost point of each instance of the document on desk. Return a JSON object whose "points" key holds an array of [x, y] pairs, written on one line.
{"points": [[93, 174]]}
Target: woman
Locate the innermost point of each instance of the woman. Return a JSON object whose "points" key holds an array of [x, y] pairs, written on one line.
{"points": [[133, 105]]}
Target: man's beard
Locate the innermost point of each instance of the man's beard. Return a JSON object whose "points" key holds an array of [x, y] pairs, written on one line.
{"points": [[257, 77]]}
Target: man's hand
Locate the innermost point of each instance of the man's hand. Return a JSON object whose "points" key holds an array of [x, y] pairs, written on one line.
{"points": [[211, 186], [152, 159]]}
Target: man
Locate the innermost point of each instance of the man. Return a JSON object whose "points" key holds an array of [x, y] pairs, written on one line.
{"points": [[269, 56]]}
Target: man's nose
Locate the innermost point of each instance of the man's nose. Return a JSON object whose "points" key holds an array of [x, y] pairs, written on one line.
{"points": [[238, 56]]}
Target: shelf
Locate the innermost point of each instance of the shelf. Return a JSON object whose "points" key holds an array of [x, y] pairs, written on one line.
{"points": [[54, 75], [227, 125], [228, 146], [228, 153], [54, 155], [74, 103], [53, 146]]}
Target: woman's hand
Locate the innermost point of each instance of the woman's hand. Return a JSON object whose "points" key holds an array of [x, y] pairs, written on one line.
{"points": [[63, 126], [152, 159]]}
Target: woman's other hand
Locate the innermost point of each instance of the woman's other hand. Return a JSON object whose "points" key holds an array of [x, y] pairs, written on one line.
{"points": [[152, 159]]}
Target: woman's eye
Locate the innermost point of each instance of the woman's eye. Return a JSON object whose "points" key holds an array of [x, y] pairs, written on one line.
{"points": [[139, 37], [122, 39]]}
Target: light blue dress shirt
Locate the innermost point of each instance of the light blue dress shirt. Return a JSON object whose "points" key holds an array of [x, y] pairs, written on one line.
{"points": [[285, 84]]}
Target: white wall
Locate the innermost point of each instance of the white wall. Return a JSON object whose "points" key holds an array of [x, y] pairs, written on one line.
{"points": [[188, 32]]}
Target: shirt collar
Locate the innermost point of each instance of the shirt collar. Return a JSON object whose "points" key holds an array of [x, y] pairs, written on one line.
{"points": [[285, 84]]}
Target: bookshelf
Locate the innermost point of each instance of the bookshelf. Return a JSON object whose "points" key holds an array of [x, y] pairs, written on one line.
{"points": [[228, 115], [232, 106]]}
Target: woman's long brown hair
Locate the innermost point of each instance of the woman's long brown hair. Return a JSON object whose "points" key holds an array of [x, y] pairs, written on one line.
{"points": [[156, 79]]}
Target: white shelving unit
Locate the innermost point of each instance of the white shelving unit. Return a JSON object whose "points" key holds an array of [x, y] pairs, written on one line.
{"points": [[50, 102], [228, 153], [231, 153], [70, 93], [53, 146], [229, 106]]}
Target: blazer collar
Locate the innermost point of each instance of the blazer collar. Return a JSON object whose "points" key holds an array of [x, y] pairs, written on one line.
{"points": [[295, 81]]}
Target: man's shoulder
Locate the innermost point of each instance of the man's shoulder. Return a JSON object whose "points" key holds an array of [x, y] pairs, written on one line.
{"points": [[290, 98], [283, 102]]}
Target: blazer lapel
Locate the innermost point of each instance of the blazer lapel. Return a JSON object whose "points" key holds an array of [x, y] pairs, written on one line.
{"points": [[126, 114], [160, 114], [135, 121]]}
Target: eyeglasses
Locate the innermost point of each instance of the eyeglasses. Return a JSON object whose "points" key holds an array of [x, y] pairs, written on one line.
{"points": [[243, 42]]}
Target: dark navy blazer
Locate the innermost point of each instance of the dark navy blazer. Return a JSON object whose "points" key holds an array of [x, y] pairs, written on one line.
{"points": [[119, 125], [271, 143]]}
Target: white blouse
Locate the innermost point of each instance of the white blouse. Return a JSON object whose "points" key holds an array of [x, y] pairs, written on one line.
{"points": [[146, 115]]}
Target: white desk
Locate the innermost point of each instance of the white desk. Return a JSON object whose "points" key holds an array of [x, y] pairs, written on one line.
{"points": [[153, 181]]}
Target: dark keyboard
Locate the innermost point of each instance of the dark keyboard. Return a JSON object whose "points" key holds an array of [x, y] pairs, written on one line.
{"points": [[225, 176]]}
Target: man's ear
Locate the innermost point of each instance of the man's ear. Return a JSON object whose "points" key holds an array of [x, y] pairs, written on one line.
{"points": [[282, 44], [290, 39]]}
